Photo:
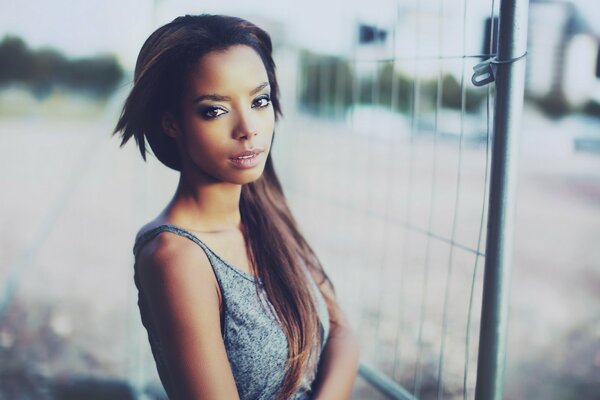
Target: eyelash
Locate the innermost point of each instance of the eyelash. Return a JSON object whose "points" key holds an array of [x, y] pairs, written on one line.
{"points": [[205, 112], [263, 97]]}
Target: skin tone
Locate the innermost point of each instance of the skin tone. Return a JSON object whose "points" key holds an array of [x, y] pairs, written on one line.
{"points": [[225, 110]]}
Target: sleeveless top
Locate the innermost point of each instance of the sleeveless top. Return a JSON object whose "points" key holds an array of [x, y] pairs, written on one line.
{"points": [[255, 343]]}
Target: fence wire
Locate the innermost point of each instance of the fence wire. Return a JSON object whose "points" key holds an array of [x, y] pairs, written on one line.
{"points": [[394, 194]]}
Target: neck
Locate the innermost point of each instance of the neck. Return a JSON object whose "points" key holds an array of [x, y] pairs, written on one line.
{"points": [[205, 206]]}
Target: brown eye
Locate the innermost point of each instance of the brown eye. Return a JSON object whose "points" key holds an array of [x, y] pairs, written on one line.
{"points": [[211, 112], [262, 101]]}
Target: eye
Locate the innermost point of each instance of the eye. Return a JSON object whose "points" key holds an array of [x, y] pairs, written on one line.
{"points": [[262, 101], [211, 112]]}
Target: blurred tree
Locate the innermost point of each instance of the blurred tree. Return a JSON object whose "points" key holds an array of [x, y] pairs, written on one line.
{"points": [[99, 75], [330, 85], [45, 69], [326, 85], [452, 95], [16, 63], [592, 108]]}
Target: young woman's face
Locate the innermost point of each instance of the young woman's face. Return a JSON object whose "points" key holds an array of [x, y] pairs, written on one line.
{"points": [[226, 121]]}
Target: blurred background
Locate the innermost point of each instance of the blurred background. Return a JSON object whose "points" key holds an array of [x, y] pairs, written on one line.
{"points": [[384, 153]]}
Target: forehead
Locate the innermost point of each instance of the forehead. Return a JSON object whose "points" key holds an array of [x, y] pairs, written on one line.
{"points": [[223, 72]]}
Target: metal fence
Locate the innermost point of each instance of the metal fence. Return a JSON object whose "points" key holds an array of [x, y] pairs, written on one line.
{"points": [[414, 155]]}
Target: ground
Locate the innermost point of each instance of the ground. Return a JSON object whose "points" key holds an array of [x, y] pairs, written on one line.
{"points": [[381, 208]]}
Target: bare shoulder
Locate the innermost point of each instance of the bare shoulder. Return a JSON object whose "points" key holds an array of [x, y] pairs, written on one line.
{"points": [[182, 294], [149, 226], [171, 263], [166, 250]]}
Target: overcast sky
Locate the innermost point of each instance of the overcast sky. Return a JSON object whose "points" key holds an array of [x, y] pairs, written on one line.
{"points": [[81, 28]]}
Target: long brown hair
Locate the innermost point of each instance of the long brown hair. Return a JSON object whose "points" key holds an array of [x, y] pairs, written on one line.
{"points": [[280, 256]]}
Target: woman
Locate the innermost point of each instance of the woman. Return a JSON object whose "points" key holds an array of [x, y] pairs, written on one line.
{"points": [[234, 300]]}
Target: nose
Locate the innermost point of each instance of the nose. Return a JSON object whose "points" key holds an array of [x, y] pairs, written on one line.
{"points": [[246, 126]]}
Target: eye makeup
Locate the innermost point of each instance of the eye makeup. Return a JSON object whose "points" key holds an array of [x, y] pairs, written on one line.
{"points": [[210, 112], [262, 101]]}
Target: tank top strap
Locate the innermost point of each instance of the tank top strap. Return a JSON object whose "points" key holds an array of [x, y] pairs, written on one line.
{"points": [[213, 257]]}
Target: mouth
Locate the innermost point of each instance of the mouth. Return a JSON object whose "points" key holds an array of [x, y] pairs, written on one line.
{"points": [[247, 159]]}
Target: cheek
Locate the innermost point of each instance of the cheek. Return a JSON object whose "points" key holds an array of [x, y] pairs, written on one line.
{"points": [[268, 123], [204, 141]]}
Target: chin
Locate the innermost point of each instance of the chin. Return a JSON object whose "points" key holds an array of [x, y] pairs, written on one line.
{"points": [[246, 177]]}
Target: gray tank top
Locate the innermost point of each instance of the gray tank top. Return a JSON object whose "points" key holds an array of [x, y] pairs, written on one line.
{"points": [[255, 343]]}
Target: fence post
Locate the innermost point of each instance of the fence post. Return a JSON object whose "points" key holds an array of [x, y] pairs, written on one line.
{"points": [[510, 82]]}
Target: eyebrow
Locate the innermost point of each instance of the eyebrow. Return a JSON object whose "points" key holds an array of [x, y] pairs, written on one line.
{"points": [[218, 97]]}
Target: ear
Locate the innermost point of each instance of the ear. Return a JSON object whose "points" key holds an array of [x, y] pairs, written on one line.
{"points": [[170, 125]]}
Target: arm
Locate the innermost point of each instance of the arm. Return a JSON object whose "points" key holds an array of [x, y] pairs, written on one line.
{"points": [[339, 361], [182, 294]]}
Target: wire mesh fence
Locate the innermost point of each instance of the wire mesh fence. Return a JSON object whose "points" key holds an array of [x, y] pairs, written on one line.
{"points": [[391, 185]]}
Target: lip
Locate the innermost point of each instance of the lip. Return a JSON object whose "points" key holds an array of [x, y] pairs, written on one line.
{"points": [[247, 153], [249, 158]]}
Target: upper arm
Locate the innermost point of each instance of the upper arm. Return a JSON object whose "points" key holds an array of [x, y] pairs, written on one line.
{"points": [[182, 294]]}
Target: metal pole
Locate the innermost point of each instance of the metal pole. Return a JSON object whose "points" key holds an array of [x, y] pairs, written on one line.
{"points": [[510, 82], [384, 384]]}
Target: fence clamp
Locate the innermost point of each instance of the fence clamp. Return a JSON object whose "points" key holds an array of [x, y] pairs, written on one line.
{"points": [[484, 72]]}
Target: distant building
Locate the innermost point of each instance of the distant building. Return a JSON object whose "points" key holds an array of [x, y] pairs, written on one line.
{"points": [[563, 53]]}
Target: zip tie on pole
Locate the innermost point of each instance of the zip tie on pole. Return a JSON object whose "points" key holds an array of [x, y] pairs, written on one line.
{"points": [[485, 71]]}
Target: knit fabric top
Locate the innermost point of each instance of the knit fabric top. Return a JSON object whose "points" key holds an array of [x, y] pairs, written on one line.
{"points": [[255, 342]]}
